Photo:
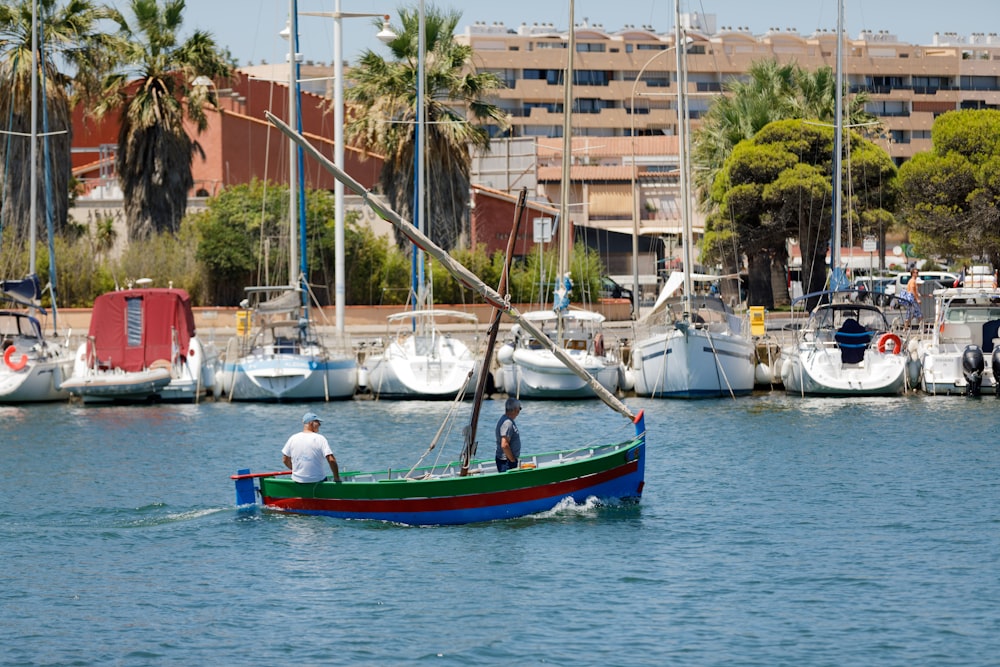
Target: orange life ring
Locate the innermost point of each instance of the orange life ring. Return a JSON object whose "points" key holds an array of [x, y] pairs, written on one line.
{"points": [[897, 343], [7, 359]]}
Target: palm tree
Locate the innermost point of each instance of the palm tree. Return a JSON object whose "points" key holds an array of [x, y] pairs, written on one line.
{"points": [[383, 115], [69, 34], [153, 90]]}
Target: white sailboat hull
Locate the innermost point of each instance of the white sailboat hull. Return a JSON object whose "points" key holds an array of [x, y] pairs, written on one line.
{"points": [[39, 381], [422, 367], [530, 373], [689, 362], [289, 377], [817, 370]]}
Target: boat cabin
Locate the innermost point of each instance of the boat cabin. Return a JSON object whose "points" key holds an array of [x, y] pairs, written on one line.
{"points": [[133, 329]]}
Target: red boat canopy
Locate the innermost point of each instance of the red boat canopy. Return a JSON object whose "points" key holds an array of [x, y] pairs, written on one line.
{"points": [[133, 328]]}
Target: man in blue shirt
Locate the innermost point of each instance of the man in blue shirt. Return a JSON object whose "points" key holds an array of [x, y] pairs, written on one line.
{"points": [[508, 437]]}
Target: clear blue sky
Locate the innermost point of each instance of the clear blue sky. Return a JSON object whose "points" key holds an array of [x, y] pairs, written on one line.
{"points": [[249, 27]]}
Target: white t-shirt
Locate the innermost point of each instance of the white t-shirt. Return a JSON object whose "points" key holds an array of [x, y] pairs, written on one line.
{"points": [[308, 452]]}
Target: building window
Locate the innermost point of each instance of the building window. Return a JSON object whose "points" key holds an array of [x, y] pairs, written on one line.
{"points": [[133, 321]]}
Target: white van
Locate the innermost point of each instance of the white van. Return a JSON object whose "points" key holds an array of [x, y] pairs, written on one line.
{"points": [[898, 286]]}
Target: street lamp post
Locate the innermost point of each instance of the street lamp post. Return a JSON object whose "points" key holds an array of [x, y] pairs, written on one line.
{"points": [[385, 36], [635, 197]]}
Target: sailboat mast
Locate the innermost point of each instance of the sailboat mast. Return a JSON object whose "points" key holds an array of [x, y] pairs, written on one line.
{"points": [[420, 218], [680, 53], [33, 149], [838, 139], [565, 232], [293, 149]]}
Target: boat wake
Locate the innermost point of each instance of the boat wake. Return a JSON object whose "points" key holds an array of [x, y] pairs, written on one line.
{"points": [[568, 507], [150, 515]]}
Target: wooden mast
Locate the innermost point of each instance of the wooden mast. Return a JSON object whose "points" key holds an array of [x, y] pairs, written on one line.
{"points": [[469, 450]]}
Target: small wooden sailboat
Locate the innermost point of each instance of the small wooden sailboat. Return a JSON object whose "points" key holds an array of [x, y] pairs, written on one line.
{"points": [[468, 490], [441, 495]]}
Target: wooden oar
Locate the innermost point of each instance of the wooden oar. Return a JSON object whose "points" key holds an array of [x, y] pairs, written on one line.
{"points": [[255, 475], [462, 274]]}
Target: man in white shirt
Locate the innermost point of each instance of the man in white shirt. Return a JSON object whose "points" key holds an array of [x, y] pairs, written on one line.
{"points": [[304, 452]]}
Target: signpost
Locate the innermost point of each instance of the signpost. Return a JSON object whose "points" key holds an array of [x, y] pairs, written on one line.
{"points": [[869, 245], [541, 234]]}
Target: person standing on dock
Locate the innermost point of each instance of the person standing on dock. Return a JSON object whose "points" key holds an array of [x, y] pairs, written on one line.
{"points": [[304, 452], [911, 298], [508, 437]]}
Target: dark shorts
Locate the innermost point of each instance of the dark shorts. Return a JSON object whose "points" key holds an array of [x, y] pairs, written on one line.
{"points": [[503, 465]]}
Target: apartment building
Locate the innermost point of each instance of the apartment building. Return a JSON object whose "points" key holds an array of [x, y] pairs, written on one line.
{"points": [[625, 81], [625, 88]]}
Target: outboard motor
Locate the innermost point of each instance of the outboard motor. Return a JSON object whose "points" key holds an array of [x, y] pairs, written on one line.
{"points": [[973, 364], [996, 370]]}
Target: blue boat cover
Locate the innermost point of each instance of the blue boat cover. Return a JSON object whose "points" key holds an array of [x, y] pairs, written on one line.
{"points": [[27, 292], [852, 338]]}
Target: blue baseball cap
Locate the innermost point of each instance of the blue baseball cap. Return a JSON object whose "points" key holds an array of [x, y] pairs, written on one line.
{"points": [[311, 417]]}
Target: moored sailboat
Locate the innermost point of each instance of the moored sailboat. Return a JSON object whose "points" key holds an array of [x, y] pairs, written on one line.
{"points": [[33, 367], [691, 345], [845, 348], [527, 367], [280, 354], [419, 360]]}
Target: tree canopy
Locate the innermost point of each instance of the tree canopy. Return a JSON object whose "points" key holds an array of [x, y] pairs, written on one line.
{"points": [[778, 186], [949, 195]]}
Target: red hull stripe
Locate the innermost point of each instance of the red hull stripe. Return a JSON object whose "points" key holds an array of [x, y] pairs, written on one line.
{"points": [[473, 501]]}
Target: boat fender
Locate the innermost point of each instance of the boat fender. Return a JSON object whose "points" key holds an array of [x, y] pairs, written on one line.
{"points": [[599, 345], [886, 338], [8, 358], [505, 354]]}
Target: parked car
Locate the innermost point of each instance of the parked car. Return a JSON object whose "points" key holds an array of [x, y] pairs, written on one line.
{"points": [[612, 290]]}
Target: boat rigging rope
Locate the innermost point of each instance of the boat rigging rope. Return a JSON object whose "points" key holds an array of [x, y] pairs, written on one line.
{"points": [[718, 363], [448, 423]]}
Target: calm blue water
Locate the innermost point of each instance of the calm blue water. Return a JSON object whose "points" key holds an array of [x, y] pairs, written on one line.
{"points": [[774, 530]]}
